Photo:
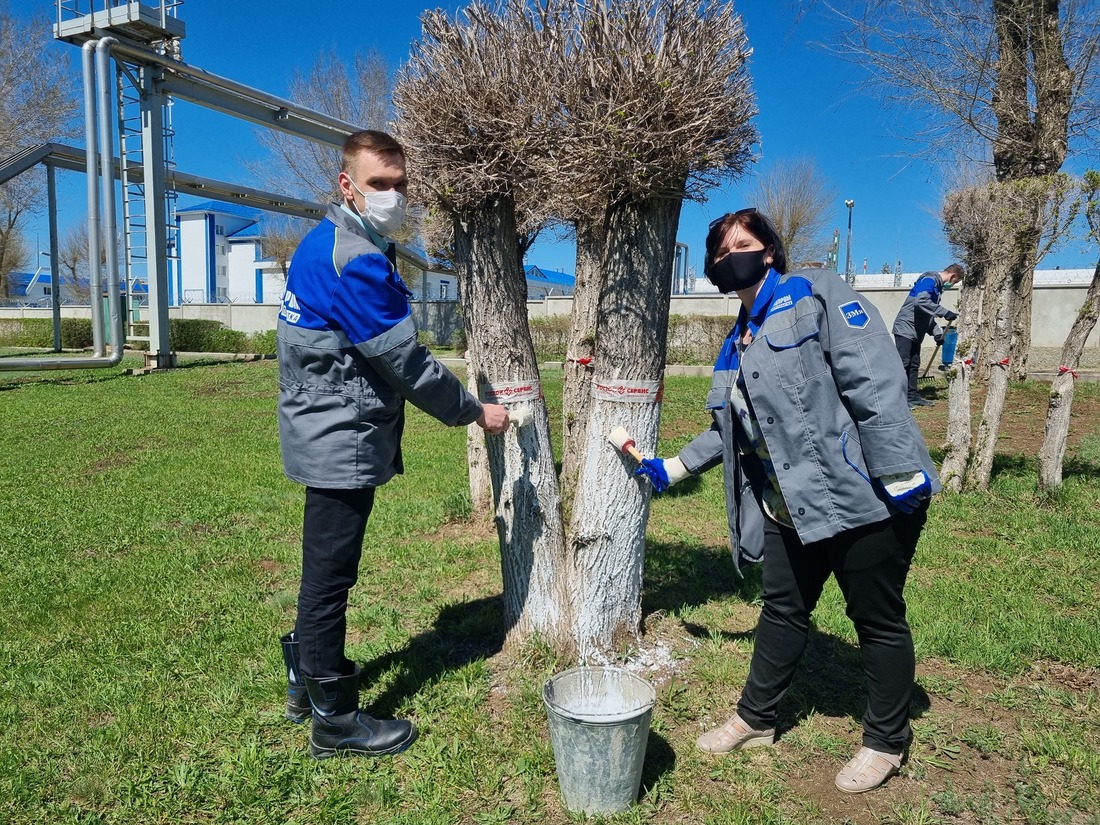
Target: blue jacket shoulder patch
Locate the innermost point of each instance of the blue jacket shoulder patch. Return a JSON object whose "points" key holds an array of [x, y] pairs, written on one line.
{"points": [[854, 314]]}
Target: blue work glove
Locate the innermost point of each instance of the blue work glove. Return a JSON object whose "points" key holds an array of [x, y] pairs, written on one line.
{"points": [[907, 490], [950, 316], [654, 470], [662, 472]]}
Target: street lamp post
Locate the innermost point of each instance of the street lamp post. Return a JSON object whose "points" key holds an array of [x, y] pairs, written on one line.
{"points": [[849, 276]]}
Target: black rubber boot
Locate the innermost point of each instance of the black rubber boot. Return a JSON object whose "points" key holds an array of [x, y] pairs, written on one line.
{"points": [[340, 727], [298, 707]]}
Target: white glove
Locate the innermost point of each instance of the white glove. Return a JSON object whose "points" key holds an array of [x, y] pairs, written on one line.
{"points": [[907, 490]]}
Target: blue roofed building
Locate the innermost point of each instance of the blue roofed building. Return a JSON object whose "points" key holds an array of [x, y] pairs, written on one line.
{"points": [[34, 289], [222, 258], [544, 283]]}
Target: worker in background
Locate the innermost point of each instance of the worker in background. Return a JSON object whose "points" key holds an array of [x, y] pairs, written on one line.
{"points": [[917, 318]]}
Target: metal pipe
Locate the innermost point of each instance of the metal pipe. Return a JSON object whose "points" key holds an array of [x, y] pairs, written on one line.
{"points": [[277, 104], [106, 168], [55, 279], [99, 359], [95, 284]]}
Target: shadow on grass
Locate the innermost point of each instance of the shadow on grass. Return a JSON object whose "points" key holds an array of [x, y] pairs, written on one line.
{"points": [[1080, 467], [829, 680], [660, 759], [686, 575], [462, 633]]}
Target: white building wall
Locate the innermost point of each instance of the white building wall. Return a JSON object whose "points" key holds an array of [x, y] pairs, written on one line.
{"points": [[244, 260], [203, 233], [191, 285]]}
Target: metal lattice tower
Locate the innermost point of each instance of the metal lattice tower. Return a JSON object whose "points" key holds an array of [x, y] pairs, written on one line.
{"points": [[157, 29], [135, 227]]}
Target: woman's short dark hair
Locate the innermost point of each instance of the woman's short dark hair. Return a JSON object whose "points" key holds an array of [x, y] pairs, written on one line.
{"points": [[757, 225]]}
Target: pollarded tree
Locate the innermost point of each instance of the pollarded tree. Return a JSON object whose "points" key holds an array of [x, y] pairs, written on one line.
{"points": [[984, 222], [660, 107], [609, 113], [475, 113]]}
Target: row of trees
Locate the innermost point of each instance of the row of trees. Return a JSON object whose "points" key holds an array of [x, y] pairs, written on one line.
{"points": [[1012, 88], [602, 118]]}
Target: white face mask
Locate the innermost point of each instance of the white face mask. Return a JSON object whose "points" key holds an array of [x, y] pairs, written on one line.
{"points": [[384, 212]]}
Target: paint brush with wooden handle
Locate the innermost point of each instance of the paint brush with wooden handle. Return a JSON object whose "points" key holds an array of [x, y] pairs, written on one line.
{"points": [[624, 443]]}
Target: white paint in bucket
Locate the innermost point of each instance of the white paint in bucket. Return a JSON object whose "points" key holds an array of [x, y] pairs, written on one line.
{"points": [[599, 723]]}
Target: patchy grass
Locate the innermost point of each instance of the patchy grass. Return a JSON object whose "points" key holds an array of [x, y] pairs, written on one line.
{"points": [[149, 561]]}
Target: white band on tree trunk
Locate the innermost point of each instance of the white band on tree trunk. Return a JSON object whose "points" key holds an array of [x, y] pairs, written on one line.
{"points": [[510, 393], [627, 392]]}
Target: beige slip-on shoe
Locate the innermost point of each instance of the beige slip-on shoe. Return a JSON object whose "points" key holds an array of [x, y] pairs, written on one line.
{"points": [[736, 734], [867, 770]]}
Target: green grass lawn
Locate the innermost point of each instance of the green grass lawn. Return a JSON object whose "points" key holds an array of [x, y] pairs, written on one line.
{"points": [[148, 563]]}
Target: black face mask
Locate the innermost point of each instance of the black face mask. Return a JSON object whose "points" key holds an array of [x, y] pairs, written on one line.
{"points": [[739, 270]]}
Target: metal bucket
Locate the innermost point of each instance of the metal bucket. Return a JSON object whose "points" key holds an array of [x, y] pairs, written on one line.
{"points": [[599, 724]]}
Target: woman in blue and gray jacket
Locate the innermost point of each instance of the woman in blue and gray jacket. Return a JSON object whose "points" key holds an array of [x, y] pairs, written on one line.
{"points": [[826, 473]]}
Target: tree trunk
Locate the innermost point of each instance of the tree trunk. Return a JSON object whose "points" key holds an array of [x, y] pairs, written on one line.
{"points": [[577, 391], [981, 466], [607, 531], [984, 332], [1020, 344], [959, 376], [1032, 99], [1053, 450], [481, 484], [521, 462]]}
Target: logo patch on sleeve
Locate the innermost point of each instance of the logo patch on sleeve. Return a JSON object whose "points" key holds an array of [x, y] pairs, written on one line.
{"points": [[854, 314]]}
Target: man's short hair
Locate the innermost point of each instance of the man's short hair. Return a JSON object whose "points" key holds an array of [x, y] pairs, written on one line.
{"points": [[955, 269], [369, 140]]}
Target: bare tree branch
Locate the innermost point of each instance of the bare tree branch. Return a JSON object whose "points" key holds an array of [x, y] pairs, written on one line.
{"points": [[798, 198], [38, 103], [357, 93]]}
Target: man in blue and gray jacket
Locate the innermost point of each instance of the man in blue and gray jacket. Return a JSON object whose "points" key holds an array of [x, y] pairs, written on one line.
{"points": [[348, 361], [917, 318]]}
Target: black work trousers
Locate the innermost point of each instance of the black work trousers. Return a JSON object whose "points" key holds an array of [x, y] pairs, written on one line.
{"points": [[909, 350], [870, 564], [332, 543]]}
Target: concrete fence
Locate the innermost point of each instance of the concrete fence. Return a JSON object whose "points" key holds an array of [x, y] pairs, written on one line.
{"points": [[1054, 309]]}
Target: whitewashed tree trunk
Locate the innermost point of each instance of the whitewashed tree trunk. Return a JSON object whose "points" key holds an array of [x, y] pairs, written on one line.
{"points": [[1020, 343], [984, 333], [521, 462], [956, 448], [1053, 451], [607, 533], [981, 466], [481, 485], [576, 392]]}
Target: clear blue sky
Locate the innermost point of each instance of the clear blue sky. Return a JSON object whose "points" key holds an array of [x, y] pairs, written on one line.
{"points": [[810, 106]]}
